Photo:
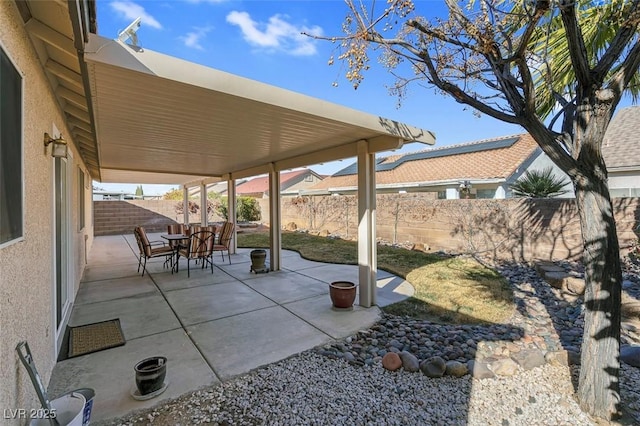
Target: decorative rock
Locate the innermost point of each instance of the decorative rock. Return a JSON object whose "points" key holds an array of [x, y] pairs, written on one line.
{"points": [[529, 359], [504, 367], [557, 279], [291, 226], [456, 369], [557, 358], [630, 355], [575, 285], [420, 247], [479, 370], [391, 361], [433, 367], [409, 362]]}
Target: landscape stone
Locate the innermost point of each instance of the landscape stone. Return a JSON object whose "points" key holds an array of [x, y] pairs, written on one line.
{"points": [[575, 285], [391, 361], [557, 279], [630, 355], [456, 369], [409, 362], [504, 367], [479, 370], [433, 367], [529, 359]]}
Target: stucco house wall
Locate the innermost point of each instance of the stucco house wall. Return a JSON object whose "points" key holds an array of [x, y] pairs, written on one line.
{"points": [[27, 286]]}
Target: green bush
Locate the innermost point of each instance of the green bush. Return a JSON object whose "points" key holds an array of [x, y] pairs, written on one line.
{"points": [[247, 209]]}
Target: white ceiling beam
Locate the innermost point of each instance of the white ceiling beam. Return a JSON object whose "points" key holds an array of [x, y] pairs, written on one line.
{"points": [[75, 122], [77, 112], [83, 133], [51, 37], [73, 97], [64, 73]]}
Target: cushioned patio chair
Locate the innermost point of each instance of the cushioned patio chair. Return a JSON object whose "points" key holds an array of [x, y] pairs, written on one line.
{"points": [[177, 228], [200, 247], [149, 250], [224, 241]]}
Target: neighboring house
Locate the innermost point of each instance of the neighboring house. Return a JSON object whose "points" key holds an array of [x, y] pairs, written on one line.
{"points": [[291, 183], [487, 167], [621, 153], [118, 196]]}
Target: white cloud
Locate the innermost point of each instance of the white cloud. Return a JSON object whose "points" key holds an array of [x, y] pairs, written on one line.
{"points": [[130, 11], [276, 34], [192, 39]]}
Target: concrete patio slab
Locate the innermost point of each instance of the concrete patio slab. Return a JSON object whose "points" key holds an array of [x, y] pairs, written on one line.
{"points": [[318, 312], [100, 291], [105, 272], [284, 287], [140, 315], [238, 344], [206, 303], [331, 272], [110, 373], [236, 320], [199, 277], [240, 271]]}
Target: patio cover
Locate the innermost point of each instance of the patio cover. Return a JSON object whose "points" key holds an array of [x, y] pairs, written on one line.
{"points": [[160, 119]]}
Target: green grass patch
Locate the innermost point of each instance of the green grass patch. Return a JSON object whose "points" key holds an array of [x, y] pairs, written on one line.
{"points": [[447, 290]]}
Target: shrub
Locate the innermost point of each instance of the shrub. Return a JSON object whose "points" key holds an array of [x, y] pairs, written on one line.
{"points": [[539, 184]]}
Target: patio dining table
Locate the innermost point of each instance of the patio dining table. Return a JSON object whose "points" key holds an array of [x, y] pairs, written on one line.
{"points": [[176, 239]]}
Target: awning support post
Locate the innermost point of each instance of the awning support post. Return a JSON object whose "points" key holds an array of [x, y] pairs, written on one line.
{"points": [[231, 213], [275, 219], [367, 253], [204, 214], [185, 205]]}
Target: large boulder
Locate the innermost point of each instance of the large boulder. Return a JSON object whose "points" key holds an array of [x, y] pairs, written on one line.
{"points": [[504, 367], [433, 367], [630, 355], [456, 369], [409, 361], [479, 370], [391, 361]]}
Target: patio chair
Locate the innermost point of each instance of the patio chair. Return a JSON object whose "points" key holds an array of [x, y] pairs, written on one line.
{"points": [[200, 247], [177, 228], [149, 251], [226, 233]]}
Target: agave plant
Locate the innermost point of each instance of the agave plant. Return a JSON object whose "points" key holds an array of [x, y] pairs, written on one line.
{"points": [[539, 184]]}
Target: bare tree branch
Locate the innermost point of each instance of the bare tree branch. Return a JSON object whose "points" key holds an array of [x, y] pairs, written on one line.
{"points": [[573, 33]]}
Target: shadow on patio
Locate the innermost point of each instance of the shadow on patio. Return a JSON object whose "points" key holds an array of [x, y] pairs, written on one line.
{"points": [[211, 327]]}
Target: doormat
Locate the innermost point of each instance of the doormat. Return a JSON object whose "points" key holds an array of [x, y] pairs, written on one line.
{"points": [[86, 339]]}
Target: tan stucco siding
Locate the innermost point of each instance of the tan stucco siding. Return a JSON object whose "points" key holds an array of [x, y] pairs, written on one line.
{"points": [[26, 277]]}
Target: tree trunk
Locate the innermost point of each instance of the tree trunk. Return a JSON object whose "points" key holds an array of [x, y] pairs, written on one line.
{"points": [[598, 389]]}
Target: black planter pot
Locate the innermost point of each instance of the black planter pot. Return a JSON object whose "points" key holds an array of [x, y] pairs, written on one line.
{"points": [[150, 374], [258, 258]]}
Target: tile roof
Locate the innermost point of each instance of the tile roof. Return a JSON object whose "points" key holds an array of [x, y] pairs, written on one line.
{"points": [[261, 184], [486, 159], [621, 144]]}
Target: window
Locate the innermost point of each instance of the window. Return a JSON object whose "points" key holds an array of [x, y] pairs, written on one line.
{"points": [[486, 193], [308, 178], [80, 199], [11, 173]]}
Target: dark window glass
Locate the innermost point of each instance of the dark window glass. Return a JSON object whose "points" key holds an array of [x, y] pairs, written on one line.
{"points": [[11, 176]]}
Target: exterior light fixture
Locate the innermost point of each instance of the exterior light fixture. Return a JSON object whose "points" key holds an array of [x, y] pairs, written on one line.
{"points": [[59, 149], [465, 188]]}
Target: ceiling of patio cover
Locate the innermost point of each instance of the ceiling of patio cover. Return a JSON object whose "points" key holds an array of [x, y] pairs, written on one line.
{"points": [[160, 119]]}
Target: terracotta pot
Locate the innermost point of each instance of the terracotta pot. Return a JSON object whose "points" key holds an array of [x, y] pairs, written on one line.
{"points": [[342, 294], [150, 374]]}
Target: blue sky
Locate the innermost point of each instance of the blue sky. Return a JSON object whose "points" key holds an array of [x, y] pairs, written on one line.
{"points": [[261, 40]]}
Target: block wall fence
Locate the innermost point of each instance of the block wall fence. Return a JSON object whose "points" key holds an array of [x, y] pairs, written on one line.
{"points": [[512, 229]]}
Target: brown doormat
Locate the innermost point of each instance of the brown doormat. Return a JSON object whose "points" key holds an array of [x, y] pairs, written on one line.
{"points": [[86, 339]]}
